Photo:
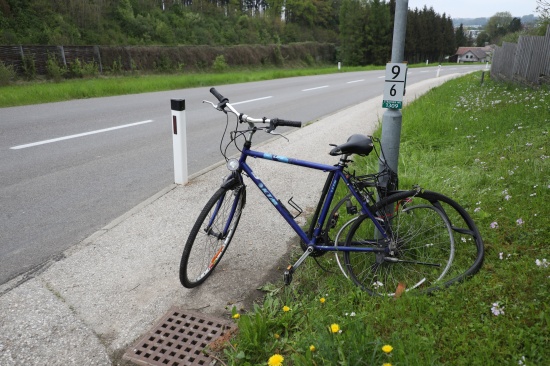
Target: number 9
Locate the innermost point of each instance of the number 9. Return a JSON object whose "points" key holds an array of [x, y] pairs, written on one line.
{"points": [[395, 70]]}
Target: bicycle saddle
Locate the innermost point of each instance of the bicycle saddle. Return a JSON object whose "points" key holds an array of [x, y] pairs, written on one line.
{"points": [[356, 144]]}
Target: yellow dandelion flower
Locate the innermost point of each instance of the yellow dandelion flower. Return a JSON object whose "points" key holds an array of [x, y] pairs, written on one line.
{"points": [[276, 336], [236, 316], [386, 364], [322, 299], [276, 360], [387, 348], [334, 328], [312, 348], [286, 308]]}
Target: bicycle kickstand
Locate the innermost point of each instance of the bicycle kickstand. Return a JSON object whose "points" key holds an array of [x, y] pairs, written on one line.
{"points": [[291, 268]]}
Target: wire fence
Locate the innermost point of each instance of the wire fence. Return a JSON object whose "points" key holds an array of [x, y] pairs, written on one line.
{"points": [[163, 58], [526, 62]]}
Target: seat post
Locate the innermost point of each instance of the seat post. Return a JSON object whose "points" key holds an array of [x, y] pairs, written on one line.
{"points": [[343, 160]]}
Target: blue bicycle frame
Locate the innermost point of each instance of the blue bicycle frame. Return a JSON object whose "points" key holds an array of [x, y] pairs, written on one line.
{"points": [[336, 173]]}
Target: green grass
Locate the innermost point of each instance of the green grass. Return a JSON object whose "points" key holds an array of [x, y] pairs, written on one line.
{"points": [[49, 91], [487, 148]]}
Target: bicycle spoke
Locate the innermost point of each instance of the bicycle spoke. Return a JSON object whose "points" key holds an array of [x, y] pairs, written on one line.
{"points": [[420, 250], [211, 236]]}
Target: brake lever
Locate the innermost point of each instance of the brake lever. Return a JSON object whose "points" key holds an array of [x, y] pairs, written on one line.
{"points": [[271, 127], [278, 134], [216, 106], [209, 102]]}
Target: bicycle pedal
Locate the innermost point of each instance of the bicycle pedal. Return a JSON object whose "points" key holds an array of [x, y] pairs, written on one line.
{"points": [[287, 275]]}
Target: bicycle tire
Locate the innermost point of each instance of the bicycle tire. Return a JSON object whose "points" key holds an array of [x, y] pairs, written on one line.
{"points": [[211, 235], [470, 251], [333, 232], [420, 243]]}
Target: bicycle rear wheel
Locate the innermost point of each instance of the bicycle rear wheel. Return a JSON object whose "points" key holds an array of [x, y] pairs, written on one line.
{"points": [[469, 249], [211, 235], [418, 253]]}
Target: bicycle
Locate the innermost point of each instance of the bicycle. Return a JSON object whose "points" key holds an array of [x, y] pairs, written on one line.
{"points": [[394, 240]]}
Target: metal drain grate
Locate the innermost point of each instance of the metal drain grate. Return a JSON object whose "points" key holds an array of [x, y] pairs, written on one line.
{"points": [[178, 339]]}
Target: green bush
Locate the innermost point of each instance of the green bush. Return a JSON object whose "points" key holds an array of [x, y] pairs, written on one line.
{"points": [[7, 74], [133, 65], [90, 69], [75, 69], [219, 64], [29, 67], [53, 69], [163, 64], [117, 66], [279, 59]]}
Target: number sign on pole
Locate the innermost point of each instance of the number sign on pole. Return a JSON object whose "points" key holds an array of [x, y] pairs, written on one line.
{"points": [[394, 87]]}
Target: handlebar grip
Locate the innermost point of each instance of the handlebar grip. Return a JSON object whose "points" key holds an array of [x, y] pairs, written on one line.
{"points": [[218, 96], [282, 122]]}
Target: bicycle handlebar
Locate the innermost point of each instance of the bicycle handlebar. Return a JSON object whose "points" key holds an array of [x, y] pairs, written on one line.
{"points": [[273, 122], [218, 96], [284, 122]]}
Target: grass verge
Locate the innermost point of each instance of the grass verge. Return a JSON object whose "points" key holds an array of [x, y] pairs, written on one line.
{"points": [[487, 148], [34, 92], [49, 91]]}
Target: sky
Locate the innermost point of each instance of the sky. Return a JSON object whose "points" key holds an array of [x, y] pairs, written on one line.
{"points": [[477, 8]]}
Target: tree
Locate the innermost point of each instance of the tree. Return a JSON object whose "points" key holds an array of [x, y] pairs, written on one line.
{"points": [[449, 42], [301, 12], [412, 36], [482, 39], [352, 15], [515, 25], [378, 33], [498, 25], [428, 34], [431, 36], [543, 8]]}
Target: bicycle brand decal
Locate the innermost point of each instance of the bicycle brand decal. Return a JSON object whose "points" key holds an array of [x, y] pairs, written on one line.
{"points": [[267, 194], [282, 159], [333, 186]]}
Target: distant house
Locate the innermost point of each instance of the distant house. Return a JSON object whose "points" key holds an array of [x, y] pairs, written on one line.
{"points": [[473, 33], [472, 54]]}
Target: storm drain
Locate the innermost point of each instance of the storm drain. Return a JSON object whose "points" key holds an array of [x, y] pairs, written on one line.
{"points": [[179, 339]]}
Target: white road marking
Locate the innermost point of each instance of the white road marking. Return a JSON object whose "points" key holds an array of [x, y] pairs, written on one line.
{"points": [[79, 135], [355, 81], [251, 100], [319, 87]]}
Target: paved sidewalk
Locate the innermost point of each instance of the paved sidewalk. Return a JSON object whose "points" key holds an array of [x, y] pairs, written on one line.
{"points": [[111, 288]]}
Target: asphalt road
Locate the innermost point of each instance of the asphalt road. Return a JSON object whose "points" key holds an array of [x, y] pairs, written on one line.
{"points": [[70, 168]]}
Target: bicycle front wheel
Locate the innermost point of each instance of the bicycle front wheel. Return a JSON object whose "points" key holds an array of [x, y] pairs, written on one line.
{"points": [[417, 254], [211, 235]]}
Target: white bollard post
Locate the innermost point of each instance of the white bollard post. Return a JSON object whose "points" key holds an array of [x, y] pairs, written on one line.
{"points": [[438, 70], [179, 141], [339, 65]]}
